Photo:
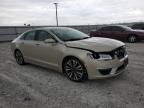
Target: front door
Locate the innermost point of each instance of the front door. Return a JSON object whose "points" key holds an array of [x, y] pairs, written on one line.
{"points": [[46, 53]]}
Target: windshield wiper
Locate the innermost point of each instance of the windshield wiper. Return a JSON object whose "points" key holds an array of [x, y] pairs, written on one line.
{"points": [[85, 37], [77, 39], [73, 39]]}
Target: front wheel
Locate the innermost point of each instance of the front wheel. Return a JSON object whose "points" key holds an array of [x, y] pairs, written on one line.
{"points": [[132, 39], [19, 57], [74, 69]]}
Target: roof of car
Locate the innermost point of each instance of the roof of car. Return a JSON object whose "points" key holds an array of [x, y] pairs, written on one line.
{"points": [[115, 26], [49, 28]]}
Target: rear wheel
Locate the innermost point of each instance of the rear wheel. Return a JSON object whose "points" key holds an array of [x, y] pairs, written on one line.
{"points": [[74, 69], [132, 39], [19, 57]]}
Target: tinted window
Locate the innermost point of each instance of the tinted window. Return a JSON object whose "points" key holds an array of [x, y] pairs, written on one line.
{"points": [[42, 35], [29, 35], [126, 28], [117, 28], [138, 26], [105, 29], [112, 28]]}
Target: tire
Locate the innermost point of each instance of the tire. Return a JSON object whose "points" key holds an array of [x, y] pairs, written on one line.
{"points": [[75, 70], [132, 39], [19, 57]]}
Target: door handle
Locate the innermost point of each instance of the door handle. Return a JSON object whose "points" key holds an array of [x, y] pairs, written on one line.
{"points": [[37, 44]]}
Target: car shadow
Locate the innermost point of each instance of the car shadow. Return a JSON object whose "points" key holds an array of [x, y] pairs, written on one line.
{"points": [[46, 71]]}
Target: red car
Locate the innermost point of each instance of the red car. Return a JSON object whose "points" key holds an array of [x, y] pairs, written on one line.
{"points": [[119, 32]]}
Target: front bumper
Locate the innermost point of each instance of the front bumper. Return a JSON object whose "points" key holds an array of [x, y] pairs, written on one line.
{"points": [[103, 69]]}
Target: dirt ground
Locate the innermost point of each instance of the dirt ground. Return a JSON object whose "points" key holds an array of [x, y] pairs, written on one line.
{"points": [[31, 86]]}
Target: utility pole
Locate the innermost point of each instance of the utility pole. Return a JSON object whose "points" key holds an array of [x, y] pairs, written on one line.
{"points": [[56, 4]]}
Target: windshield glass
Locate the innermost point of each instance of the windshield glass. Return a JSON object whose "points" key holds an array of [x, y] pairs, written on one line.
{"points": [[69, 34], [127, 28]]}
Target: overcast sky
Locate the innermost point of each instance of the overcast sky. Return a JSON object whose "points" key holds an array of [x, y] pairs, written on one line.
{"points": [[70, 12]]}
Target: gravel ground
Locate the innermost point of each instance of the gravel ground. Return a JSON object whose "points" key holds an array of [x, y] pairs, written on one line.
{"points": [[31, 86]]}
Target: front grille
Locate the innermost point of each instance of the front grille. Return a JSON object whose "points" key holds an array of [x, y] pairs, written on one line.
{"points": [[120, 52]]}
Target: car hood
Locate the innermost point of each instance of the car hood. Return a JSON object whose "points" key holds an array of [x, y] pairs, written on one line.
{"points": [[96, 44]]}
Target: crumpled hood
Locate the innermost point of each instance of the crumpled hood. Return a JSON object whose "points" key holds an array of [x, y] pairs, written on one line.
{"points": [[96, 44]]}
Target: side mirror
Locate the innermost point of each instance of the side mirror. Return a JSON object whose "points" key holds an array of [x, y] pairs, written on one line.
{"points": [[49, 41]]}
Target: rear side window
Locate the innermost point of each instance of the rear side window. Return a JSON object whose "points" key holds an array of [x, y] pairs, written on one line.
{"points": [[29, 35], [111, 28], [114, 28], [42, 35], [105, 29]]}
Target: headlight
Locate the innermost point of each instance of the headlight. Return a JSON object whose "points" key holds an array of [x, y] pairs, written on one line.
{"points": [[93, 55], [99, 56], [105, 57]]}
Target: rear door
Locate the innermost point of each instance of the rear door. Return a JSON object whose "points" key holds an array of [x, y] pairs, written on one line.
{"points": [[106, 32], [27, 45], [119, 33]]}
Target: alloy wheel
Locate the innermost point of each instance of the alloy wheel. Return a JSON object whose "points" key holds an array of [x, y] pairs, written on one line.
{"points": [[19, 58], [74, 70], [132, 39]]}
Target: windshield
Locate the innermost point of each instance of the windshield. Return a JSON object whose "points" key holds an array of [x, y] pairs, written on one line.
{"points": [[68, 34], [127, 28]]}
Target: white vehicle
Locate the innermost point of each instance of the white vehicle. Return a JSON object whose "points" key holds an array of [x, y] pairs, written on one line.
{"points": [[72, 52]]}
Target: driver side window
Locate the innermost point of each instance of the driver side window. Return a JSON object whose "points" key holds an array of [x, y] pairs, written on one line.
{"points": [[42, 35]]}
